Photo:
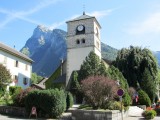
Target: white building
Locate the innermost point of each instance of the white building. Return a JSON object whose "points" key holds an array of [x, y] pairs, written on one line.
{"points": [[83, 36], [19, 65]]}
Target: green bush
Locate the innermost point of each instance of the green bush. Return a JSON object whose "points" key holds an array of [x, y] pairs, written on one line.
{"points": [[143, 98], [126, 99], [13, 89], [69, 100], [149, 114], [19, 97], [114, 105], [50, 103]]}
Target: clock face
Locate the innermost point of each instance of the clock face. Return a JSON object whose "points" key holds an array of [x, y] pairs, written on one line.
{"points": [[80, 27]]}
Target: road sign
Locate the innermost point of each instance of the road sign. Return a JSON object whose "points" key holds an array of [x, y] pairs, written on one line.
{"points": [[120, 92]]}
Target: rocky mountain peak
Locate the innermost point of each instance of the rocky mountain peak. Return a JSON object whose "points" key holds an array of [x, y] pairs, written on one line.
{"points": [[41, 30]]}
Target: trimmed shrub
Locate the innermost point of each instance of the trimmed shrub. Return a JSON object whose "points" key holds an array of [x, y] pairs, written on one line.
{"points": [[114, 105], [13, 89], [149, 114], [143, 98], [49, 103], [126, 99], [69, 100]]}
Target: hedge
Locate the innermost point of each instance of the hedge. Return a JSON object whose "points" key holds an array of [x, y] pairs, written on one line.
{"points": [[50, 103]]}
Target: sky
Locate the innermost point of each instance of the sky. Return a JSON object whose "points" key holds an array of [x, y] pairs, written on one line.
{"points": [[123, 22]]}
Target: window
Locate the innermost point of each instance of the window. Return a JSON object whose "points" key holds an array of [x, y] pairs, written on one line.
{"points": [[26, 67], [16, 63], [78, 42], [83, 41], [15, 79], [5, 60], [97, 43], [97, 32], [25, 81]]}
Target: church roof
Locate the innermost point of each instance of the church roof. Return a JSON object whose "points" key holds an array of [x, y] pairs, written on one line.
{"points": [[14, 52], [61, 79], [82, 17]]}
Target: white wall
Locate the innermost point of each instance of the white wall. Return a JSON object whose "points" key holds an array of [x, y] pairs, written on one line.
{"points": [[20, 71], [75, 58]]}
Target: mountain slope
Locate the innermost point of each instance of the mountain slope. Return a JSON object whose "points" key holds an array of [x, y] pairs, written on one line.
{"points": [[46, 48], [108, 52], [157, 54]]}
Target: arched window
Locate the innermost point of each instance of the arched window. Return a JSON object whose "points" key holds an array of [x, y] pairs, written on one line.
{"points": [[97, 32], [78, 42], [83, 41]]}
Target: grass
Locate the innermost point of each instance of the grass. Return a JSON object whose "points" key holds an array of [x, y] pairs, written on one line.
{"points": [[88, 107], [85, 107]]}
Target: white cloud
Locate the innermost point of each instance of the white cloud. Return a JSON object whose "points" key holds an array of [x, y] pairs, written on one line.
{"points": [[97, 14], [151, 24], [22, 14], [101, 14], [57, 24]]}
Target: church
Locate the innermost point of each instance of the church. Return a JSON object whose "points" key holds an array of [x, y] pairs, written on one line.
{"points": [[83, 36]]}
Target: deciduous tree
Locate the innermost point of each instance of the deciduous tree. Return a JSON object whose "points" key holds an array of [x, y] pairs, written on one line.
{"points": [[99, 90]]}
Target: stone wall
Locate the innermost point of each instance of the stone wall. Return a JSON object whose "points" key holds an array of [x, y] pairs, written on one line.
{"points": [[10, 110], [97, 115]]}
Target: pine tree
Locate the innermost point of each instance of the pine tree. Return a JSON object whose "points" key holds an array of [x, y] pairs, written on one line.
{"points": [[148, 84], [91, 66]]}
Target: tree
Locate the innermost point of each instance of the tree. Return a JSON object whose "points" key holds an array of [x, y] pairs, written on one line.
{"points": [[35, 78], [99, 90], [115, 74], [91, 66], [5, 76], [75, 85], [25, 51], [143, 98], [132, 63], [149, 87]]}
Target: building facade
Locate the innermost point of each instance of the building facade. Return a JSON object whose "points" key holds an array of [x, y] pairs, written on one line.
{"points": [[83, 36], [18, 64]]}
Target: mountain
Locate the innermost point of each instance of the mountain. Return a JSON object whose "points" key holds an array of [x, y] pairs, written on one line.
{"points": [[109, 53], [157, 54], [47, 48]]}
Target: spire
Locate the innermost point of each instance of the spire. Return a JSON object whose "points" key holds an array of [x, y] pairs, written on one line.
{"points": [[84, 9]]}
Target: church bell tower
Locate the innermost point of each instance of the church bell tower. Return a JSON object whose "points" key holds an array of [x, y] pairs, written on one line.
{"points": [[83, 36]]}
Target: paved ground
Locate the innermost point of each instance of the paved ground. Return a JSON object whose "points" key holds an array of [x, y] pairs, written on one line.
{"points": [[140, 118]]}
